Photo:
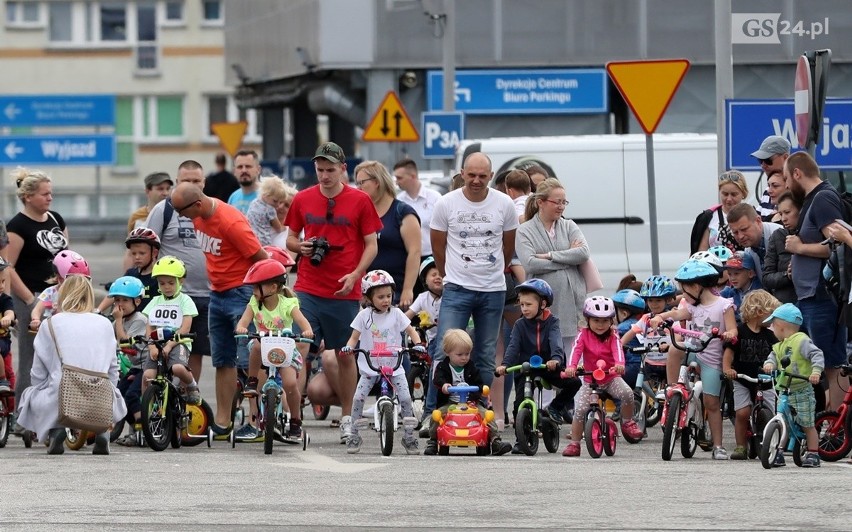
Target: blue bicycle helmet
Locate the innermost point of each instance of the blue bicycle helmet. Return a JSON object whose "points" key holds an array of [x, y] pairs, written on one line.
{"points": [[630, 300], [536, 286], [696, 271], [723, 252], [658, 286], [127, 286]]}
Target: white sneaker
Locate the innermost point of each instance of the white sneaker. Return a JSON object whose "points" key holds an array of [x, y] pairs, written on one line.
{"points": [[719, 453], [345, 428]]}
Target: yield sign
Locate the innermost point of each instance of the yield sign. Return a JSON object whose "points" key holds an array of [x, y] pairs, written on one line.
{"points": [[230, 135], [391, 123], [648, 87]]}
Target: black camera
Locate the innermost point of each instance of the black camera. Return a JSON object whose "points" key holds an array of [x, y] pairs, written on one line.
{"points": [[321, 247]]}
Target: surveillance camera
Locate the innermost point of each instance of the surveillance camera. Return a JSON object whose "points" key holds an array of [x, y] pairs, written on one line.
{"points": [[408, 79]]}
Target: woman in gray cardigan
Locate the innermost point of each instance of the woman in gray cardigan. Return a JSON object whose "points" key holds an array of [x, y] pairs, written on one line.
{"points": [[552, 248]]}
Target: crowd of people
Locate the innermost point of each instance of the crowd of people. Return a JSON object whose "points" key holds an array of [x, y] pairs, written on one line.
{"points": [[498, 267]]}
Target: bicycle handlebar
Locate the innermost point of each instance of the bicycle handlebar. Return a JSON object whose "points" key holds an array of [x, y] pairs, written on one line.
{"points": [[275, 334], [535, 363], [163, 336], [703, 338], [761, 378], [369, 355]]}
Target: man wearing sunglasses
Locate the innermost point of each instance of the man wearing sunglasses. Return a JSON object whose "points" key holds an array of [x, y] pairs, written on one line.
{"points": [[329, 283], [771, 155]]}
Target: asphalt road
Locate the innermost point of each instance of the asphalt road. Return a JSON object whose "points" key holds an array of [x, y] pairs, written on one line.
{"points": [[323, 487]]}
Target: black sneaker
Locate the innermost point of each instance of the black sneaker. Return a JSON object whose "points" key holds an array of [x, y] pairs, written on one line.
{"points": [[424, 431], [295, 431], [500, 447], [555, 414], [516, 449], [431, 448]]}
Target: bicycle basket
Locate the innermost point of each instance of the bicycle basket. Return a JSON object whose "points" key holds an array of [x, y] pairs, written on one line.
{"points": [[277, 351]]}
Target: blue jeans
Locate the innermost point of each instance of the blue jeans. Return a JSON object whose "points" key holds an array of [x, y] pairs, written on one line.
{"points": [[819, 320], [458, 305], [225, 310]]}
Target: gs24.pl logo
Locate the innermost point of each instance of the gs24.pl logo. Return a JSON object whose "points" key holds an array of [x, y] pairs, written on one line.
{"points": [[767, 28]]}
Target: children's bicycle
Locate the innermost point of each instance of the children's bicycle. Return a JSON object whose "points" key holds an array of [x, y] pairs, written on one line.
{"points": [[684, 412], [166, 416], [783, 431], [529, 424], [418, 373], [6, 416], [276, 351], [387, 411], [834, 428], [760, 413], [647, 409], [599, 431]]}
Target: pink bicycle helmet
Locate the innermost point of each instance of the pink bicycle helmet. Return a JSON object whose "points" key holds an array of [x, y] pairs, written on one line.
{"points": [[599, 307], [69, 262], [375, 279]]}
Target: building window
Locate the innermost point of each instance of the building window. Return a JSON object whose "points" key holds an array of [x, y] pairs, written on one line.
{"points": [[91, 23], [125, 146], [212, 10], [60, 22], [113, 21], [174, 12], [169, 116], [24, 15], [224, 109], [146, 119]]}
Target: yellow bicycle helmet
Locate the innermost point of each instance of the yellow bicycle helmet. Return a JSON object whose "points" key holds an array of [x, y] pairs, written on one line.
{"points": [[169, 266]]}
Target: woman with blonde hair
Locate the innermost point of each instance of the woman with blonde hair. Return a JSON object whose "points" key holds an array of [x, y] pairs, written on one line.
{"points": [[711, 226], [36, 235], [399, 239], [39, 407]]}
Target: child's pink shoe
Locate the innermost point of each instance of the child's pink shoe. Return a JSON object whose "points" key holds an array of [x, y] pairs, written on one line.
{"points": [[631, 429], [572, 449]]}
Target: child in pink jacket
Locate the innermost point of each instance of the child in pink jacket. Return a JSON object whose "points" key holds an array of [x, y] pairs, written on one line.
{"points": [[599, 341]]}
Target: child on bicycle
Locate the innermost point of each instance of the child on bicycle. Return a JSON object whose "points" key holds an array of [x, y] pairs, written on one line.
{"points": [[128, 323], [428, 302], [7, 316], [705, 311], [805, 359], [599, 341], [629, 308], [273, 307], [538, 332], [143, 246], [65, 263], [457, 369], [171, 310], [380, 326], [746, 356]]}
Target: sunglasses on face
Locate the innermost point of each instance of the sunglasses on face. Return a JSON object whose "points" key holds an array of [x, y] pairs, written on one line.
{"points": [[180, 210], [329, 214], [768, 161]]}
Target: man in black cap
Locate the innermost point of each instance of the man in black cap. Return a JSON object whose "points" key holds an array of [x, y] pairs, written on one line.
{"points": [[771, 155], [157, 188]]}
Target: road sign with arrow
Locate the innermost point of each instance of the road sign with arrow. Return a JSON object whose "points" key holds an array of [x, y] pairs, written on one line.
{"points": [[390, 123]]}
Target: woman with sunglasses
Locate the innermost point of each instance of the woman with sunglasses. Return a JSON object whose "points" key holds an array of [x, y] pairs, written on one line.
{"points": [[711, 226]]}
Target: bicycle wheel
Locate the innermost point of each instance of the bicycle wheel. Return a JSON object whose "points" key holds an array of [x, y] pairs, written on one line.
{"points": [[270, 398], [525, 432], [611, 437], [800, 449], [653, 408], [386, 421], [4, 424], [27, 436], [321, 411], [593, 433], [759, 418], [834, 442], [198, 424], [688, 441], [670, 426], [417, 388], [157, 422], [639, 414], [769, 447], [550, 435]]}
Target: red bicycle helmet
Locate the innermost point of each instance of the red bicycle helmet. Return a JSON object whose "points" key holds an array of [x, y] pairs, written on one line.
{"points": [[280, 255], [265, 271], [142, 235]]}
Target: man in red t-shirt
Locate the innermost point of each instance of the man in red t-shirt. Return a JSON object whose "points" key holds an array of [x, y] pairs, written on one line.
{"points": [[230, 247], [329, 285]]}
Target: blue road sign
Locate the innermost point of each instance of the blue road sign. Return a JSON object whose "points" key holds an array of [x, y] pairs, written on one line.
{"points": [[498, 92], [748, 122], [441, 133], [57, 110], [57, 150]]}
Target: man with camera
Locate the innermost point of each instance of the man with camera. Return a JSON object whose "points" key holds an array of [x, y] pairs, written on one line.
{"points": [[340, 243]]}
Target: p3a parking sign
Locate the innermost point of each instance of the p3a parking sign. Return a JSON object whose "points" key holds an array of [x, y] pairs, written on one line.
{"points": [[441, 134]]}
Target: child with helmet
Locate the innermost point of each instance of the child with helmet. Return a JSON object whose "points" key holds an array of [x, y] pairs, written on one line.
{"points": [[629, 307], [380, 326], [65, 263], [427, 305], [128, 322], [598, 340], [172, 310], [274, 307], [7, 316], [742, 279], [143, 248], [705, 311], [537, 332]]}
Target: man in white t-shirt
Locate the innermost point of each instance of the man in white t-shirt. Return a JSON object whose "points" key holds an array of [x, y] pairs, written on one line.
{"points": [[473, 239], [423, 199]]}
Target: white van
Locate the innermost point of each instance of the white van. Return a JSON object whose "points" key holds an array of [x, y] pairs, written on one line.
{"points": [[605, 178]]}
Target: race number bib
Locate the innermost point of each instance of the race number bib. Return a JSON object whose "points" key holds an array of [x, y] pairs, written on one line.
{"points": [[277, 351], [166, 315]]}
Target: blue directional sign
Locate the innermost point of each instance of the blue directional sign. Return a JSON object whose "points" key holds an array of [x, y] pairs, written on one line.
{"points": [[497, 92], [441, 133], [748, 122], [57, 150], [57, 110]]}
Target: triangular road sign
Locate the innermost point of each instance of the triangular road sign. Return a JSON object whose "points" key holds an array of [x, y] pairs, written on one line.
{"points": [[230, 135], [648, 86], [391, 123]]}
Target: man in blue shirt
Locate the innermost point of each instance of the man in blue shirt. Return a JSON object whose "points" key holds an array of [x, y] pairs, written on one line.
{"points": [[247, 169]]}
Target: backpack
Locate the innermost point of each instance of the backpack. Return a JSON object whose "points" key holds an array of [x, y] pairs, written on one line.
{"points": [[168, 210], [702, 222]]}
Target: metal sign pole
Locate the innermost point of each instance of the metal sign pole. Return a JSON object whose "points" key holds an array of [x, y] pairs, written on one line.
{"points": [[652, 204]]}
